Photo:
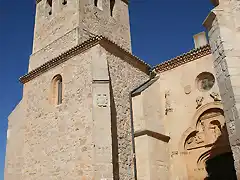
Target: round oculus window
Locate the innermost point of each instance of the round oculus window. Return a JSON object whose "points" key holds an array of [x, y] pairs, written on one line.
{"points": [[205, 81]]}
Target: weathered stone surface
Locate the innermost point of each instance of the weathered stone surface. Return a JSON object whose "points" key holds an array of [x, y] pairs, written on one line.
{"points": [[74, 23], [224, 41], [178, 121], [57, 140], [124, 78]]}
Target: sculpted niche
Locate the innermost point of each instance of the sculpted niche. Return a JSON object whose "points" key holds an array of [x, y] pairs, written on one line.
{"points": [[205, 139]]}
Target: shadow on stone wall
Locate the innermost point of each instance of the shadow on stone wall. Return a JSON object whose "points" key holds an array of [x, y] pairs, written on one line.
{"points": [[114, 136], [220, 164]]}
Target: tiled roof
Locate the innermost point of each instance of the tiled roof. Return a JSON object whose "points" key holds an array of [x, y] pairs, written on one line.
{"points": [[183, 59], [78, 49]]}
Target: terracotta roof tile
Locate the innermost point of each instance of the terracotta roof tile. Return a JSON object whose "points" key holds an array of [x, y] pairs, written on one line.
{"points": [[183, 59], [76, 50]]}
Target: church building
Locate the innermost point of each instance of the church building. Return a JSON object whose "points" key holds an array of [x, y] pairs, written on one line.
{"points": [[91, 110]]}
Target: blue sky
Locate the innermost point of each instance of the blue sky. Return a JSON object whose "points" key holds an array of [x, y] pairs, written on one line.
{"points": [[161, 29]]}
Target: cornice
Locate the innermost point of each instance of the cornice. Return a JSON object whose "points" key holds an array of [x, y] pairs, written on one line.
{"points": [[183, 59], [77, 50]]}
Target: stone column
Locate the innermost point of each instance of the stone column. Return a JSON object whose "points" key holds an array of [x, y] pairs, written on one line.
{"points": [[224, 40]]}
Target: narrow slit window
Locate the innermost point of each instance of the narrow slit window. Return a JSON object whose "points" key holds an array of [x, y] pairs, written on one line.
{"points": [[64, 2], [98, 4], [112, 4], [49, 7], [57, 90], [59, 95]]}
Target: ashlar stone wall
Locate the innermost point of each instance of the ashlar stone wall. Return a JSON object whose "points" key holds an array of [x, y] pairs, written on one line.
{"points": [[82, 138], [179, 102], [57, 140]]}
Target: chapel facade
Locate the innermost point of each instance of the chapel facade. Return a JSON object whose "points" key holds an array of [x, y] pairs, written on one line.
{"points": [[92, 110]]}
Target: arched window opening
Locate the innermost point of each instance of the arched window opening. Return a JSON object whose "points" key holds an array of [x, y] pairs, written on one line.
{"points": [[49, 7], [57, 90], [64, 2], [98, 4], [112, 3]]}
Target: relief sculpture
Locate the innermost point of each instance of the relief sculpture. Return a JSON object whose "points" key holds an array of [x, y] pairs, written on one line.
{"points": [[207, 130], [195, 140], [168, 107], [199, 101], [215, 129], [198, 139], [215, 96], [102, 100], [206, 138]]}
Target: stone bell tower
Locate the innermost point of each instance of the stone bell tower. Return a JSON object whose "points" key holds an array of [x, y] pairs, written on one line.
{"points": [[62, 24], [74, 119]]}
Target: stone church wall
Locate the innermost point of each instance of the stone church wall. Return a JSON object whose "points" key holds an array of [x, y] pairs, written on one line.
{"points": [[152, 156], [124, 78], [58, 139], [62, 141], [14, 159], [54, 49], [182, 98]]}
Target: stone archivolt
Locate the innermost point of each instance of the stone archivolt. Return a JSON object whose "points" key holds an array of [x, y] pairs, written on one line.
{"points": [[209, 128], [205, 139]]}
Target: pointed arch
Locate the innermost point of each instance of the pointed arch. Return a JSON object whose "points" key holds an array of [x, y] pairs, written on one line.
{"points": [[112, 4], [57, 90]]}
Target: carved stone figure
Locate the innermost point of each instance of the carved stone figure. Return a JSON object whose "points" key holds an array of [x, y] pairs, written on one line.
{"points": [[102, 100], [199, 101], [195, 140], [215, 129], [215, 96]]}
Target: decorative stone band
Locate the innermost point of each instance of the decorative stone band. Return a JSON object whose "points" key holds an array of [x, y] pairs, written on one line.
{"points": [[183, 59], [156, 135], [81, 48]]}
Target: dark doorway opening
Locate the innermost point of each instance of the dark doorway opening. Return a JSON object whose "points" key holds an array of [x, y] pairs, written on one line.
{"points": [[221, 167]]}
